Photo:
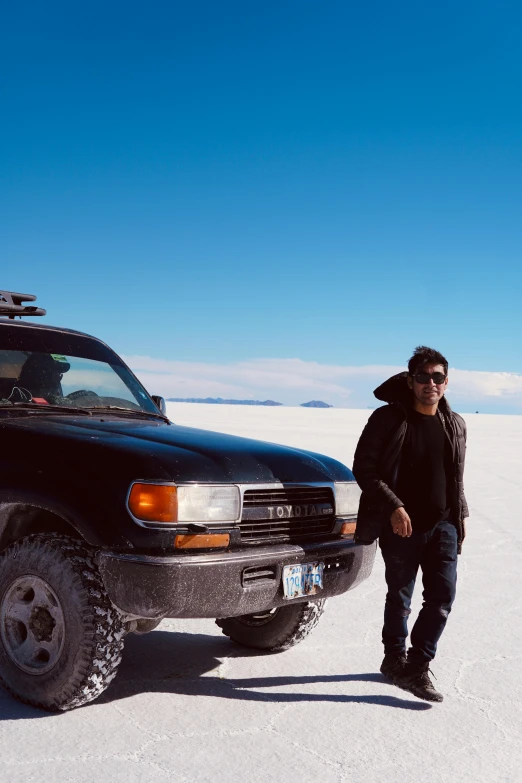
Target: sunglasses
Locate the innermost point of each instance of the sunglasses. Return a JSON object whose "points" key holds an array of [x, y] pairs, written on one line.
{"points": [[426, 377]]}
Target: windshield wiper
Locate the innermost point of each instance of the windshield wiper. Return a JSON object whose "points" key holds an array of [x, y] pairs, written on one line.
{"points": [[133, 411], [35, 406]]}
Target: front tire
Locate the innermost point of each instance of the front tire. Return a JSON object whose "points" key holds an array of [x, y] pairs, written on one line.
{"points": [[275, 630], [61, 640]]}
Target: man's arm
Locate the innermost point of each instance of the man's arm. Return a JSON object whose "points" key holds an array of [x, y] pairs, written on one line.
{"points": [[462, 459], [373, 440], [464, 511]]}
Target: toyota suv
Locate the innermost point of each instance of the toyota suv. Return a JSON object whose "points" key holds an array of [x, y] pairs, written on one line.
{"points": [[112, 518]]}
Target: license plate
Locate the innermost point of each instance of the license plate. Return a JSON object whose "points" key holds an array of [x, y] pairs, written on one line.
{"points": [[302, 579]]}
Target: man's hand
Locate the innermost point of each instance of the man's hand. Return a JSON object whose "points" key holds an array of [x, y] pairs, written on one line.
{"points": [[401, 522]]}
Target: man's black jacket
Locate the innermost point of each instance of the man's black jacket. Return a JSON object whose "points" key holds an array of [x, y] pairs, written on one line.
{"points": [[377, 459]]}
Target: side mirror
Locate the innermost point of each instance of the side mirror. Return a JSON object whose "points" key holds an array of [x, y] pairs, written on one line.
{"points": [[160, 404]]}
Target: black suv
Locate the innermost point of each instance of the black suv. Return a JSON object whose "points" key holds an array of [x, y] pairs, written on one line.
{"points": [[112, 518]]}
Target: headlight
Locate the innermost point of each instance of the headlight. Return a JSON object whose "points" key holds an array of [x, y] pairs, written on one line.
{"points": [[347, 496], [167, 503], [208, 504]]}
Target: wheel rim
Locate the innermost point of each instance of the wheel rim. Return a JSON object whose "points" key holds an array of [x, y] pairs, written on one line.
{"points": [[260, 618], [32, 624]]}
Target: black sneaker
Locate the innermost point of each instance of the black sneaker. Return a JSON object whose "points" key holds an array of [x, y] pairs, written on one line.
{"points": [[414, 678], [393, 664]]}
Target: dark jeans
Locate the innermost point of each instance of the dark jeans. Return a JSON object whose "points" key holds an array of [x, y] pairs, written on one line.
{"points": [[435, 551]]}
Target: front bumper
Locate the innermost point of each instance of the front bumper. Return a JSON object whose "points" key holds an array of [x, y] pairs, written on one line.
{"points": [[226, 584]]}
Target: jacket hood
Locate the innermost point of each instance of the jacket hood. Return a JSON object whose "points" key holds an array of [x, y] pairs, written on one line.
{"points": [[396, 390]]}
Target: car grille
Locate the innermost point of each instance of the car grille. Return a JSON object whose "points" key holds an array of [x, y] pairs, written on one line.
{"points": [[287, 514]]}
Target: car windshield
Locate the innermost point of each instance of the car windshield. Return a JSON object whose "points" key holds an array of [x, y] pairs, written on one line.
{"points": [[44, 367]]}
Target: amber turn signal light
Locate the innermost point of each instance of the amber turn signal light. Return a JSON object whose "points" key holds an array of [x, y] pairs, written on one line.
{"points": [[154, 502], [202, 541], [348, 528]]}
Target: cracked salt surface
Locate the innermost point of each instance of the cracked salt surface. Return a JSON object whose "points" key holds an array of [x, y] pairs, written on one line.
{"points": [[187, 705]]}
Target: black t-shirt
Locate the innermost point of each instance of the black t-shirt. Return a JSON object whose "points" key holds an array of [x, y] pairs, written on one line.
{"points": [[422, 481]]}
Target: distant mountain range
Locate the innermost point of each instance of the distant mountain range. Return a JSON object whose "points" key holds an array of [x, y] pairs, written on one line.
{"points": [[221, 401]]}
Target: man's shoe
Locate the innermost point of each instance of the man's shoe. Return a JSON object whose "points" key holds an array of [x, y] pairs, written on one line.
{"points": [[393, 664], [414, 678]]}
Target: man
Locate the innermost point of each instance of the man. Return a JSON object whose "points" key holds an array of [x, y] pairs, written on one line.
{"points": [[409, 463]]}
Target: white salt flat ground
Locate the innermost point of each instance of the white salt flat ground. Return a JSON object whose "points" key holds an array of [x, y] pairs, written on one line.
{"points": [[189, 706]]}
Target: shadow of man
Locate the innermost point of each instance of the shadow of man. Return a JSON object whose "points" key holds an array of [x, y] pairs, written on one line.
{"points": [[178, 663]]}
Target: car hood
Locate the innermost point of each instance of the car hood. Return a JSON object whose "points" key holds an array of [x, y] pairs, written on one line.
{"points": [[172, 452]]}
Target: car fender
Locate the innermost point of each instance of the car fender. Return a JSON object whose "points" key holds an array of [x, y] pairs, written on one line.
{"points": [[20, 508]]}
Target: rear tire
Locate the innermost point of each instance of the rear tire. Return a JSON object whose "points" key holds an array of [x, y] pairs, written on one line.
{"points": [[61, 640], [275, 630]]}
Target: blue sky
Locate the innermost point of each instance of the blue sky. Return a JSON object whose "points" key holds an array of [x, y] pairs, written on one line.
{"points": [[205, 185]]}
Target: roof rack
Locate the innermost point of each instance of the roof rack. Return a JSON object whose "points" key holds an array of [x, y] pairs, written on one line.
{"points": [[11, 305]]}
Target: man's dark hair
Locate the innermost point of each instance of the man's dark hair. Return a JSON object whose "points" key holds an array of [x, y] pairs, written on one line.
{"points": [[424, 355]]}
